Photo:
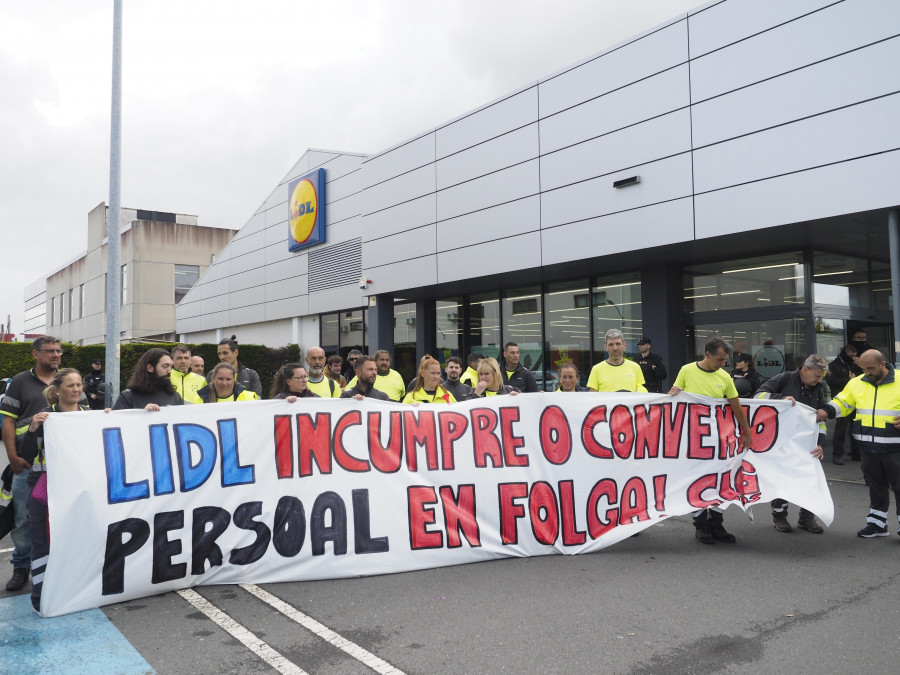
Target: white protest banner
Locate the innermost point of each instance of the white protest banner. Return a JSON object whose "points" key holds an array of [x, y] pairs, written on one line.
{"points": [[146, 502]]}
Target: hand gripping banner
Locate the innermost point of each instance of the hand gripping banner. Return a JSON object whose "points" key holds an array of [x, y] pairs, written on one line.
{"points": [[257, 492]]}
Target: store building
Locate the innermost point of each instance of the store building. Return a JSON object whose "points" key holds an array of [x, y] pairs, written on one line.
{"points": [[162, 255], [730, 172]]}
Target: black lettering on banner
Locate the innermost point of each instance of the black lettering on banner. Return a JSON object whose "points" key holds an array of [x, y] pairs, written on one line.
{"points": [[244, 518], [118, 548], [556, 436], [386, 459], [289, 530], [364, 543], [328, 502], [164, 549], [209, 522]]}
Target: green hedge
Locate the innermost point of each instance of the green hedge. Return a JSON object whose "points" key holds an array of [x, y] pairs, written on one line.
{"points": [[16, 357]]}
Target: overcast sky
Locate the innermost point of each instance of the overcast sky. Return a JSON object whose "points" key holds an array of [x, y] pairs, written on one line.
{"points": [[221, 98]]}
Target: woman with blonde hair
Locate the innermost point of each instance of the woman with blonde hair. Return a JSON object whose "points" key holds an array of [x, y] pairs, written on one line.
{"points": [[490, 382], [428, 387], [222, 386], [63, 395]]}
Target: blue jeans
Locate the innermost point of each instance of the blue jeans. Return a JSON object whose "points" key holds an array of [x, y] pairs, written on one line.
{"points": [[21, 536]]}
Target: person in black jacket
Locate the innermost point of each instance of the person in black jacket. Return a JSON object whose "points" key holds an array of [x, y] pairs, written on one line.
{"points": [[460, 390], [746, 379], [150, 386], [93, 390], [515, 374], [840, 371], [652, 365], [803, 385]]}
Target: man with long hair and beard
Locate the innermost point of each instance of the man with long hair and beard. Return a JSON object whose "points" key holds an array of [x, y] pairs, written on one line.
{"points": [[150, 386]]}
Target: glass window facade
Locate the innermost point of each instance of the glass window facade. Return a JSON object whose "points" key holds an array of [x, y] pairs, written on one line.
{"points": [[405, 360], [523, 324], [484, 324], [567, 329], [449, 324], [775, 346], [617, 304], [185, 277], [759, 282]]}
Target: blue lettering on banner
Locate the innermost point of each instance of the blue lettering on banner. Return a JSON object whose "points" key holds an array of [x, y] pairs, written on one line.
{"points": [[117, 488]]}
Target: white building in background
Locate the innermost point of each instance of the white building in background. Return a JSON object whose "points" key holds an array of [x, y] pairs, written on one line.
{"points": [[162, 256], [729, 172]]}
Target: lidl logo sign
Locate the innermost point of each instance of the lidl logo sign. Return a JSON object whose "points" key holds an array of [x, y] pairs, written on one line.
{"points": [[306, 215]]}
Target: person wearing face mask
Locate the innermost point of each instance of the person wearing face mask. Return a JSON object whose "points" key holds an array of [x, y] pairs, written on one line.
{"points": [[428, 385], [568, 378], [841, 370], [861, 342]]}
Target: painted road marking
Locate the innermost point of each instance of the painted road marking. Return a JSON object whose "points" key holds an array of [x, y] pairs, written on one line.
{"points": [[7, 550], [80, 643], [351, 648], [239, 632]]}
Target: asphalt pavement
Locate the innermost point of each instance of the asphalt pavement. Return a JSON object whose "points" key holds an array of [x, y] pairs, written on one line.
{"points": [[657, 603]]}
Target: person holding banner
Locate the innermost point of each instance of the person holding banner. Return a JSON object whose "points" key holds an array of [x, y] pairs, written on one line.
{"points": [[428, 385], [804, 385], [290, 383], [616, 373], [150, 387], [366, 375], [490, 382], [568, 378], [875, 396], [224, 387], [707, 378], [63, 395]]}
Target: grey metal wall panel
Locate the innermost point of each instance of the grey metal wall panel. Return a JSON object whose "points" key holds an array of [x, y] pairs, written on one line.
{"points": [[506, 220], [646, 56], [218, 270], [343, 297], [186, 310], [660, 181], [412, 243], [218, 303], [344, 185], [319, 158], [342, 210], [278, 196], [405, 216], [416, 183], [399, 160], [287, 308], [734, 20], [211, 289], [655, 225], [214, 320], [247, 315], [284, 269], [250, 278], [247, 297], [634, 103], [250, 260], [189, 324], [851, 78], [859, 185], [256, 224], [277, 214], [515, 182], [344, 230], [402, 275], [488, 122], [299, 169], [834, 30], [278, 233], [498, 153], [246, 244], [490, 257], [289, 287], [639, 144], [833, 137]]}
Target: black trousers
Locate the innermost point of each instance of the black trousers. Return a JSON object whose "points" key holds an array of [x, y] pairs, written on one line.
{"points": [[882, 474], [842, 432]]}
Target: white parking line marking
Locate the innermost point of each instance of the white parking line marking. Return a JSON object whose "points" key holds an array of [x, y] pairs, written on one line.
{"points": [[240, 633], [351, 648], [6, 550]]}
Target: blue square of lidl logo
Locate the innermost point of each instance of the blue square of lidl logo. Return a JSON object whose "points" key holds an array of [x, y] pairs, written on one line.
{"points": [[306, 215]]}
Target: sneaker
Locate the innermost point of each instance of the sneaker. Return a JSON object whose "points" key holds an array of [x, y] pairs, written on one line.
{"points": [[19, 577], [780, 521], [838, 461], [719, 532], [868, 531], [810, 524], [704, 536]]}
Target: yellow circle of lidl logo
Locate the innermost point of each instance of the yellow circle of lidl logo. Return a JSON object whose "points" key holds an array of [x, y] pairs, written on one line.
{"points": [[304, 210]]}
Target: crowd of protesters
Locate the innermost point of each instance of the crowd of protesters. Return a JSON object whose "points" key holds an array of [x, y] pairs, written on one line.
{"points": [[859, 378]]}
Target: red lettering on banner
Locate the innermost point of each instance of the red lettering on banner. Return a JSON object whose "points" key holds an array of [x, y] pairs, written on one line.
{"points": [[697, 431], [485, 443], [341, 456], [314, 442], [726, 490], [570, 533], [511, 442], [544, 513], [459, 516], [420, 430], [727, 427], [594, 417], [453, 426], [765, 428], [284, 446], [421, 500], [659, 491], [621, 431], [646, 431], [556, 436], [385, 459], [596, 526], [633, 503], [673, 428], [698, 487], [510, 512], [746, 483]]}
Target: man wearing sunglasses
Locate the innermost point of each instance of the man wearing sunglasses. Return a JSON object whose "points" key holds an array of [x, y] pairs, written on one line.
{"points": [[24, 399]]}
